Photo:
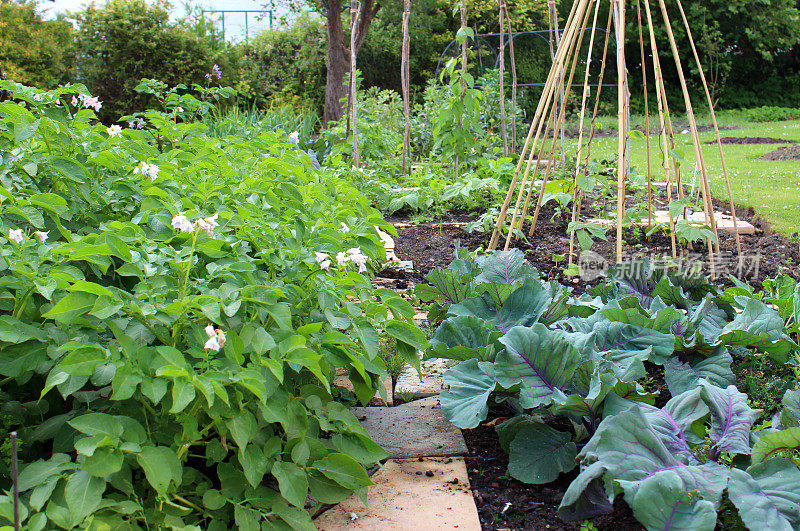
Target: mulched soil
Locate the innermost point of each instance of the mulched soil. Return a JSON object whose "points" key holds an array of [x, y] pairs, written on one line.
{"points": [[791, 152], [752, 140], [505, 503], [431, 245]]}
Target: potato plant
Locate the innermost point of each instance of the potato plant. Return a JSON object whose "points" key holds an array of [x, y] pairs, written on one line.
{"points": [[173, 308]]}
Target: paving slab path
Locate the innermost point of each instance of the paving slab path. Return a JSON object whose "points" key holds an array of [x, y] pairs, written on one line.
{"points": [[413, 429], [428, 382], [424, 485], [421, 494]]}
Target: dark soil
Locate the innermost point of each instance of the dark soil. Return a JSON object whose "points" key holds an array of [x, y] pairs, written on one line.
{"points": [[766, 253], [505, 503], [752, 140], [655, 130], [791, 152]]}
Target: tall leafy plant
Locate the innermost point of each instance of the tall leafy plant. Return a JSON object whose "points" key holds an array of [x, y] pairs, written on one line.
{"points": [[173, 309]]}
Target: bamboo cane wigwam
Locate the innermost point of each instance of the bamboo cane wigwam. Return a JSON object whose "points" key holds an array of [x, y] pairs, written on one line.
{"points": [[541, 143]]}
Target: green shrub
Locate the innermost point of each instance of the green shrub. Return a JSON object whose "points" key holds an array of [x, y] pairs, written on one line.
{"points": [[32, 50], [288, 64], [772, 114], [123, 41]]}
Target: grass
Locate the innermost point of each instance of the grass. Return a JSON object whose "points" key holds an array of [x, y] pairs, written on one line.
{"points": [[771, 187]]}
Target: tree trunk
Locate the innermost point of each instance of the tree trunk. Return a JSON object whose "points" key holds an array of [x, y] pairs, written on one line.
{"points": [[335, 89], [338, 65], [338, 62]]}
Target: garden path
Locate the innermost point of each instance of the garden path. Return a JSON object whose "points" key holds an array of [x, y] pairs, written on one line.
{"points": [[424, 485]]}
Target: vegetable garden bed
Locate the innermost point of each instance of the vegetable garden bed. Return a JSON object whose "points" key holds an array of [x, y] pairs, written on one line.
{"points": [[430, 245], [632, 386]]}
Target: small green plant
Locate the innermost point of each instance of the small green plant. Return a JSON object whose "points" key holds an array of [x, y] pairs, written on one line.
{"points": [[404, 396], [395, 363], [585, 232]]}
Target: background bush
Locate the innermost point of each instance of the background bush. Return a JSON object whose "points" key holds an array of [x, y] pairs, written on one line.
{"points": [[118, 43], [124, 41], [288, 63], [32, 50]]}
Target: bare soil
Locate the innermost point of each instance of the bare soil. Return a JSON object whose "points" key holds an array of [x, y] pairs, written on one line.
{"points": [[505, 503], [431, 245], [752, 140], [791, 152]]}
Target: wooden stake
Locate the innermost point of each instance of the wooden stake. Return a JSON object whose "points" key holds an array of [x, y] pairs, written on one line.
{"points": [[405, 86], [15, 480], [463, 10]]}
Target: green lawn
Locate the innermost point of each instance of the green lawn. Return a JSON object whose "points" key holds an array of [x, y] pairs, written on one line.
{"points": [[771, 187]]}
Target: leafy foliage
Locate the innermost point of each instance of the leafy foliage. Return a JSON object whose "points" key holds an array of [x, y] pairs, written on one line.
{"points": [[173, 313], [34, 51], [538, 351]]}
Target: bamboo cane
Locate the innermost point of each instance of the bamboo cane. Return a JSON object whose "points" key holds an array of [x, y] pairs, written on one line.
{"points": [[513, 78], [576, 205], [692, 126], [355, 6], [716, 130], [646, 115], [404, 81], [708, 207], [501, 81], [577, 27], [662, 115], [557, 126], [559, 123], [584, 101], [534, 127], [556, 30], [623, 133]]}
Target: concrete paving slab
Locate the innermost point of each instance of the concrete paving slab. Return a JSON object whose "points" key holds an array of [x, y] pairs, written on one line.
{"points": [[421, 316], [724, 221], [410, 495], [342, 379], [427, 383], [414, 429]]}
